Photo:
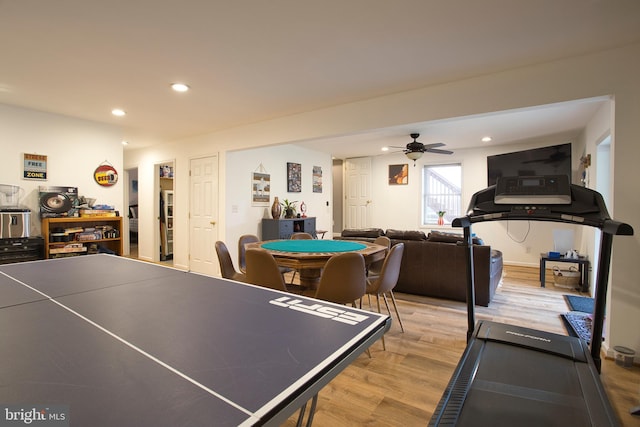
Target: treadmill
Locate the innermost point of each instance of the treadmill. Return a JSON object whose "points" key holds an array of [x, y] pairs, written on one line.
{"points": [[514, 376]]}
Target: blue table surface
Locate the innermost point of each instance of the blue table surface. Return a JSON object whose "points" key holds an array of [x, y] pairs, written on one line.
{"points": [[313, 246]]}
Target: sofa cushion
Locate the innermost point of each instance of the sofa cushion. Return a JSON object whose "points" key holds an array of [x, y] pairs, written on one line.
{"points": [[442, 237], [363, 232], [439, 236], [405, 235]]}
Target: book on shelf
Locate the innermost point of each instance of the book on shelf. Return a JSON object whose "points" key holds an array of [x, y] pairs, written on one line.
{"points": [[88, 236], [68, 249], [97, 212], [72, 230]]}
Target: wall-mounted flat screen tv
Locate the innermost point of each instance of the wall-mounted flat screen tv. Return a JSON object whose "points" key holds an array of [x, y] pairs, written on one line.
{"points": [[552, 160]]}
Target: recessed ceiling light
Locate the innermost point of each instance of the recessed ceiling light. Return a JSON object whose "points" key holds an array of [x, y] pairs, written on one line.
{"points": [[385, 148], [487, 139], [118, 112], [125, 142], [180, 87]]}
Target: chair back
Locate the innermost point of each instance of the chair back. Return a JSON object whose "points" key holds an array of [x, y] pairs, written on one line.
{"points": [[376, 267], [301, 236], [227, 269], [390, 272], [243, 240], [262, 270], [343, 279]]}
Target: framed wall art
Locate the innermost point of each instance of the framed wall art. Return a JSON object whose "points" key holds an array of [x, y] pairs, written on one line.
{"points": [[399, 174], [317, 179], [260, 189], [294, 177]]}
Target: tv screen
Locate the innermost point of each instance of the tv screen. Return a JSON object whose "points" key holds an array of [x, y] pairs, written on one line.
{"points": [[553, 160]]}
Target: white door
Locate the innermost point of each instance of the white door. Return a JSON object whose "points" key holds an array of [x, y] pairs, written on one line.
{"points": [[358, 192], [203, 216]]}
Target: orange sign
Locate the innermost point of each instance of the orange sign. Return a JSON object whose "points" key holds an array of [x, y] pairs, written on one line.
{"points": [[105, 175]]}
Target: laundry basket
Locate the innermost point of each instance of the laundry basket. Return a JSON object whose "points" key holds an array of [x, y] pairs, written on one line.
{"points": [[568, 279]]}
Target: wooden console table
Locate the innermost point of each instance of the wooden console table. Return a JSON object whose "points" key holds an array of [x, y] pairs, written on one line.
{"points": [[283, 228]]}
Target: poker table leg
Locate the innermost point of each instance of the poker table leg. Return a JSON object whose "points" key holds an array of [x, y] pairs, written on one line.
{"points": [[310, 278]]}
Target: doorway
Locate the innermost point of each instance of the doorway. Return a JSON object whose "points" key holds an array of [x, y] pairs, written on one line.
{"points": [[358, 192], [203, 215], [166, 173], [131, 214]]}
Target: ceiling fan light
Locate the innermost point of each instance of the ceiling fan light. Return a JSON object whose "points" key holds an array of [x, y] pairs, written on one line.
{"points": [[414, 155]]}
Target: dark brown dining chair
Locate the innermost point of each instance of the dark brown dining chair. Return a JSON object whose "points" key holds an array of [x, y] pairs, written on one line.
{"points": [[262, 270], [301, 236], [386, 281], [374, 269], [242, 241], [227, 269], [344, 279]]}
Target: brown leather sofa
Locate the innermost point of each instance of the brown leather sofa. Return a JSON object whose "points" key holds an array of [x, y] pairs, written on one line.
{"points": [[435, 266]]}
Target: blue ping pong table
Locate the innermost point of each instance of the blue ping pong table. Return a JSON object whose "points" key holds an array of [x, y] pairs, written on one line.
{"points": [[120, 342]]}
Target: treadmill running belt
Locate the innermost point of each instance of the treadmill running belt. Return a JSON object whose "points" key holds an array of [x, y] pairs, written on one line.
{"points": [[505, 384]]}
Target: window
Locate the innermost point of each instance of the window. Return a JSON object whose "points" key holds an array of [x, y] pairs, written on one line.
{"points": [[441, 192]]}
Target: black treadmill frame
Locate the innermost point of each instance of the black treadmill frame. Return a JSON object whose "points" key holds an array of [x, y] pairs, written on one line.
{"points": [[587, 208]]}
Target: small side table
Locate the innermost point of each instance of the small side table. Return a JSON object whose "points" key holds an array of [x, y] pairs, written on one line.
{"points": [[583, 268]]}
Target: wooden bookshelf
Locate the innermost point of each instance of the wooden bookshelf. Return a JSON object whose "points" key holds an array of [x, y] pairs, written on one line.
{"points": [[79, 239]]}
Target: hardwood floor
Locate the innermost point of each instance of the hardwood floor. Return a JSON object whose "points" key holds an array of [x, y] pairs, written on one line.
{"points": [[402, 385]]}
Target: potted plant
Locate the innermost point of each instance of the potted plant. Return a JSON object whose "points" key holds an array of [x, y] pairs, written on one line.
{"points": [[289, 208], [441, 217]]}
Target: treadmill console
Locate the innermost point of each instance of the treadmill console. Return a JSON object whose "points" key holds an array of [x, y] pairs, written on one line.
{"points": [[539, 190]]}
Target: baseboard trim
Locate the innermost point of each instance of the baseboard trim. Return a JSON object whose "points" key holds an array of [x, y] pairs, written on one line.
{"points": [[521, 264]]}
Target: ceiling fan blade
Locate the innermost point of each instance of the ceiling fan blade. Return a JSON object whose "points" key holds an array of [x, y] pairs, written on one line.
{"points": [[435, 145], [438, 151], [395, 146]]}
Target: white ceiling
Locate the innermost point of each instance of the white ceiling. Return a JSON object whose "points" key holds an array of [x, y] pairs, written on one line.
{"points": [[254, 60], [562, 120]]}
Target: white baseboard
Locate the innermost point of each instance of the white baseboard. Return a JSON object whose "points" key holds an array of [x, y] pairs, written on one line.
{"points": [[521, 264]]}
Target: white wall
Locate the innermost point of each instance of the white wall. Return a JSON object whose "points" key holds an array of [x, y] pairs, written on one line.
{"points": [[236, 216], [520, 241], [243, 218], [74, 149]]}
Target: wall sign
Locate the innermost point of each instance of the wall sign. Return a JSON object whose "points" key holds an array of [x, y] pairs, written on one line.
{"points": [[35, 166], [105, 175]]}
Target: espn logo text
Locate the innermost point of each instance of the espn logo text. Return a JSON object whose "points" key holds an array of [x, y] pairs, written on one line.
{"points": [[315, 309]]}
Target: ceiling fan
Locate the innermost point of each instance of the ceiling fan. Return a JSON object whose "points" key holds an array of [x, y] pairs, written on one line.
{"points": [[415, 149]]}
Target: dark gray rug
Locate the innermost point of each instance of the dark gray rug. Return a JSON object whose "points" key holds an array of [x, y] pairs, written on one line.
{"points": [[578, 324], [579, 303]]}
